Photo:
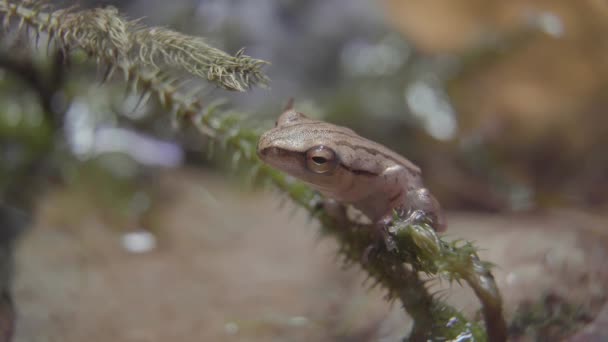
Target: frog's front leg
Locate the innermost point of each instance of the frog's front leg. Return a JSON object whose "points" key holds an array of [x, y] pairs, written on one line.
{"points": [[335, 210], [381, 228], [381, 237], [338, 212], [421, 207]]}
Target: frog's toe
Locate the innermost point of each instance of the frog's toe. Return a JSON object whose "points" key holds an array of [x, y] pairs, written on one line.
{"points": [[374, 248], [417, 216], [387, 238], [390, 243]]}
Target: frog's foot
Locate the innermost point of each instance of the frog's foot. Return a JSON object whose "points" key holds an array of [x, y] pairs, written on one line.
{"points": [[388, 236], [382, 239], [422, 200], [381, 228], [416, 217], [389, 241]]}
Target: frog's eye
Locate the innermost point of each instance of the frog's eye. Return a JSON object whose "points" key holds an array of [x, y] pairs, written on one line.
{"points": [[321, 159]]}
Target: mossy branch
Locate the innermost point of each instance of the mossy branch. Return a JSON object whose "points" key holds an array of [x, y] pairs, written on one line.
{"points": [[138, 53], [418, 245], [120, 43]]}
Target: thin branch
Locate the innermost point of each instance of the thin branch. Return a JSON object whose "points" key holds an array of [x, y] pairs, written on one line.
{"points": [[112, 39]]}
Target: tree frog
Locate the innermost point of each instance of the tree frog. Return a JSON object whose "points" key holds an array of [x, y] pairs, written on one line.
{"points": [[348, 168]]}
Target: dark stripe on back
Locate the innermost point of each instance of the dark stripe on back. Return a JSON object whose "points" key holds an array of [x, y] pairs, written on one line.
{"points": [[395, 157]]}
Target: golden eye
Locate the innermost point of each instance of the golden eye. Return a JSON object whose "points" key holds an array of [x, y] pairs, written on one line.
{"points": [[321, 159]]}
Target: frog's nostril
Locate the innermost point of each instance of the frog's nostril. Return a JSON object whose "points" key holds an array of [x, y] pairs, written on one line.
{"points": [[263, 152]]}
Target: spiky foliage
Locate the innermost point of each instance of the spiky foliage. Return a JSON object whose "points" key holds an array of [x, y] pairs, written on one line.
{"points": [[138, 52], [417, 245], [548, 318], [120, 43]]}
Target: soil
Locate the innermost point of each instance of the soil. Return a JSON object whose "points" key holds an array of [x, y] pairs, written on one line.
{"points": [[231, 265]]}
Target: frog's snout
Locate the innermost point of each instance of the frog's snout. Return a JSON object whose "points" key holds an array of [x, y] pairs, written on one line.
{"points": [[268, 152], [262, 152], [262, 147]]}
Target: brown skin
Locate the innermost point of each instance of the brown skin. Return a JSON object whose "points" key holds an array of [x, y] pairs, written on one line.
{"points": [[348, 168]]}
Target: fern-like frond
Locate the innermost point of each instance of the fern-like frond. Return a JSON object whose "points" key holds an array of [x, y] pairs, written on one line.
{"points": [[114, 40], [158, 45]]}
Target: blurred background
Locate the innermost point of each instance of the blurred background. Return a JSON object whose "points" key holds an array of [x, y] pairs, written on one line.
{"points": [[127, 231]]}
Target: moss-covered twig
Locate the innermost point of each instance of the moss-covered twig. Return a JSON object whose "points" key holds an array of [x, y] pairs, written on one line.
{"points": [[119, 43], [418, 245], [419, 250]]}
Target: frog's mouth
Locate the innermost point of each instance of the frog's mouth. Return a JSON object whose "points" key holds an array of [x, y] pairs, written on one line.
{"points": [[284, 160], [274, 155]]}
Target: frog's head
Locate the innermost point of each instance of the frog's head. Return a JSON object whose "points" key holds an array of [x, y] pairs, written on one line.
{"points": [[305, 149]]}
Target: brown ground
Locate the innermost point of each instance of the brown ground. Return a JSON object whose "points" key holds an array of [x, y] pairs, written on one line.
{"points": [[231, 266]]}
